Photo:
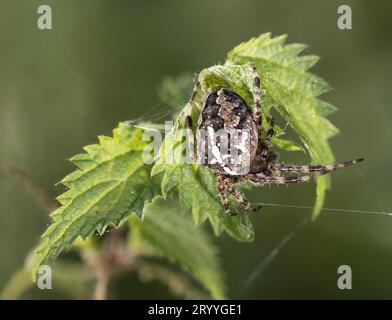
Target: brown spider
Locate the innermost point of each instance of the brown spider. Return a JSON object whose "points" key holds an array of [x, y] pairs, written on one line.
{"points": [[230, 142]]}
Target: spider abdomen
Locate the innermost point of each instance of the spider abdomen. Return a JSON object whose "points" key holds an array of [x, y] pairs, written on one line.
{"points": [[227, 136]]}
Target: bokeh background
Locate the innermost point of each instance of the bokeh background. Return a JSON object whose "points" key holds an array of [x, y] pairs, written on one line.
{"points": [[102, 63]]}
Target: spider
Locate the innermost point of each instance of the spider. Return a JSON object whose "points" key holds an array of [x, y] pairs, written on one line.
{"points": [[225, 111]]}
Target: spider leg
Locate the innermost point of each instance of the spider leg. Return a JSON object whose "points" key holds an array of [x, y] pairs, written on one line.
{"points": [[221, 186], [241, 199], [267, 141], [258, 93], [189, 109], [270, 132], [245, 203], [261, 180], [315, 169], [225, 201]]}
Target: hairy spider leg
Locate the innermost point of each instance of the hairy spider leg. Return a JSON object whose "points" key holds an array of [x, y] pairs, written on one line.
{"points": [[244, 202], [221, 186], [189, 109], [225, 186], [258, 94], [239, 197], [313, 168], [316, 170], [265, 151]]}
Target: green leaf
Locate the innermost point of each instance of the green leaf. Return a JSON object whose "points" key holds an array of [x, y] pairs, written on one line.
{"points": [[174, 92], [286, 144], [294, 91], [112, 181], [239, 78], [289, 88], [171, 233], [235, 77]]}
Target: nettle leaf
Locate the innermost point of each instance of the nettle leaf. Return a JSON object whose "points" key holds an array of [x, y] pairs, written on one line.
{"points": [[172, 234], [239, 78], [175, 91], [112, 181], [294, 92], [289, 89]]}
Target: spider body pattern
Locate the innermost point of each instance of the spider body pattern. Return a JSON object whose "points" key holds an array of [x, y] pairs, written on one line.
{"points": [[227, 135], [231, 142]]}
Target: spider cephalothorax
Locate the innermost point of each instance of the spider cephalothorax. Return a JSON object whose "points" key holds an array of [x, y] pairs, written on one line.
{"points": [[230, 142]]}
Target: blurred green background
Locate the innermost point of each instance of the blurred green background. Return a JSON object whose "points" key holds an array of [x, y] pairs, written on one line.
{"points": [[102, 63]]}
